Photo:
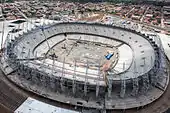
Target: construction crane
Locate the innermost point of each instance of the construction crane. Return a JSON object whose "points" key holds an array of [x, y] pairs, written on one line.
{"points": [[74, 45]]}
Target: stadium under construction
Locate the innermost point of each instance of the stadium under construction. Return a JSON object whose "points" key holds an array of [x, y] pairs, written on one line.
{"points": [[87, 65]]}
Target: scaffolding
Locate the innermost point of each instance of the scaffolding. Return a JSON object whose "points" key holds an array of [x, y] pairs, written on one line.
{"points": [[135, 81], [61, 78], [109, 88], [152, 73], [52, 79], [74, 78], [123, 84], [85, 83], [98, 80], [145, 79]]}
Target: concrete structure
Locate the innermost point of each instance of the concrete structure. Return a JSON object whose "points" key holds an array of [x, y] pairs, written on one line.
{"points": [[137, 78]]}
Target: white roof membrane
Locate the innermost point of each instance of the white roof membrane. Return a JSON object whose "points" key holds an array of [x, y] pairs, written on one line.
{"points": [[34, 106]]}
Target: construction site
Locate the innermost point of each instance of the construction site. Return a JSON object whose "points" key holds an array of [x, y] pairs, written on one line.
{"points": [[69, 57], [87, 65]]}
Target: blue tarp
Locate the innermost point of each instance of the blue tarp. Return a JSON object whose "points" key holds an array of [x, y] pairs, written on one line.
{"points": [[109, 56]]}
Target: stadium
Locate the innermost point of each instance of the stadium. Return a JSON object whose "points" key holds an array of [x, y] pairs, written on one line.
{"points": [[89, 65]]}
